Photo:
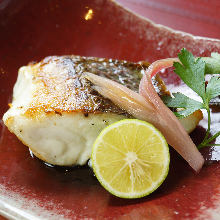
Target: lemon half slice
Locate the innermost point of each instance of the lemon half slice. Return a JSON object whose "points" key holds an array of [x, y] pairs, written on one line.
{"points": [[130, 158]]}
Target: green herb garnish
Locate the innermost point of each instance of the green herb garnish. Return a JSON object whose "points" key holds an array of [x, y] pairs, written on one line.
{"points": [[212, 64], [192, 71]]}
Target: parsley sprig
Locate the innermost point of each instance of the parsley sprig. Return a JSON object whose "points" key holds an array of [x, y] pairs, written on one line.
{"points": [[192, 71]]}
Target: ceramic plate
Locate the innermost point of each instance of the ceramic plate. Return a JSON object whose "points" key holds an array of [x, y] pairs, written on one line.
{"points": [[29, 189]]}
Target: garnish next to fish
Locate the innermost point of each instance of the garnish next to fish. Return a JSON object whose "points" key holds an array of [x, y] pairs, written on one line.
{"points": [[148, 106], [58, 114]]}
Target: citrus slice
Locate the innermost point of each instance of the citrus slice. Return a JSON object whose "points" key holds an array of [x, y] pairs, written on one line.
{"points": [[130, 158]]}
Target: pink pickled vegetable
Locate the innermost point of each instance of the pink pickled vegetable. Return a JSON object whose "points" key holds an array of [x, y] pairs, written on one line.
{"points": [[169, 125]]}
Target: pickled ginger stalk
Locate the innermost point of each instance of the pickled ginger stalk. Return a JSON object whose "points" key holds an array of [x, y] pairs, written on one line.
{"points": [[169, 125]]}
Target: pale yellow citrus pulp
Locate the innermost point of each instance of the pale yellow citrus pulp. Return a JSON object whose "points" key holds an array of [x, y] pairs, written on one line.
{"points": [[130, 158]]}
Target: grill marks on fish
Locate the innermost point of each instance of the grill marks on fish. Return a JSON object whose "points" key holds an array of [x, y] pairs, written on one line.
{"points": [[60, 87]]}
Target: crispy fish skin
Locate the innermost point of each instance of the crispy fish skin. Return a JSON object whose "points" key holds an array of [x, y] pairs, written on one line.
{"points": [[61, 88], [58, 114]]}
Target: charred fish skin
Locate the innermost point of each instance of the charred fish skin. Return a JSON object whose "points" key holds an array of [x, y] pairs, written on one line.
{"points": [[63, 88], [58, 114]]}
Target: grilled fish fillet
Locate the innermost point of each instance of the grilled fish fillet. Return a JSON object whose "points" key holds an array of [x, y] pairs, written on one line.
{"points": [[58, 114]]}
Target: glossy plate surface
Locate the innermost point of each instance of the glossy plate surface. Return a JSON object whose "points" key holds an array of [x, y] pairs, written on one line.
{"points": [[32, 30]]}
